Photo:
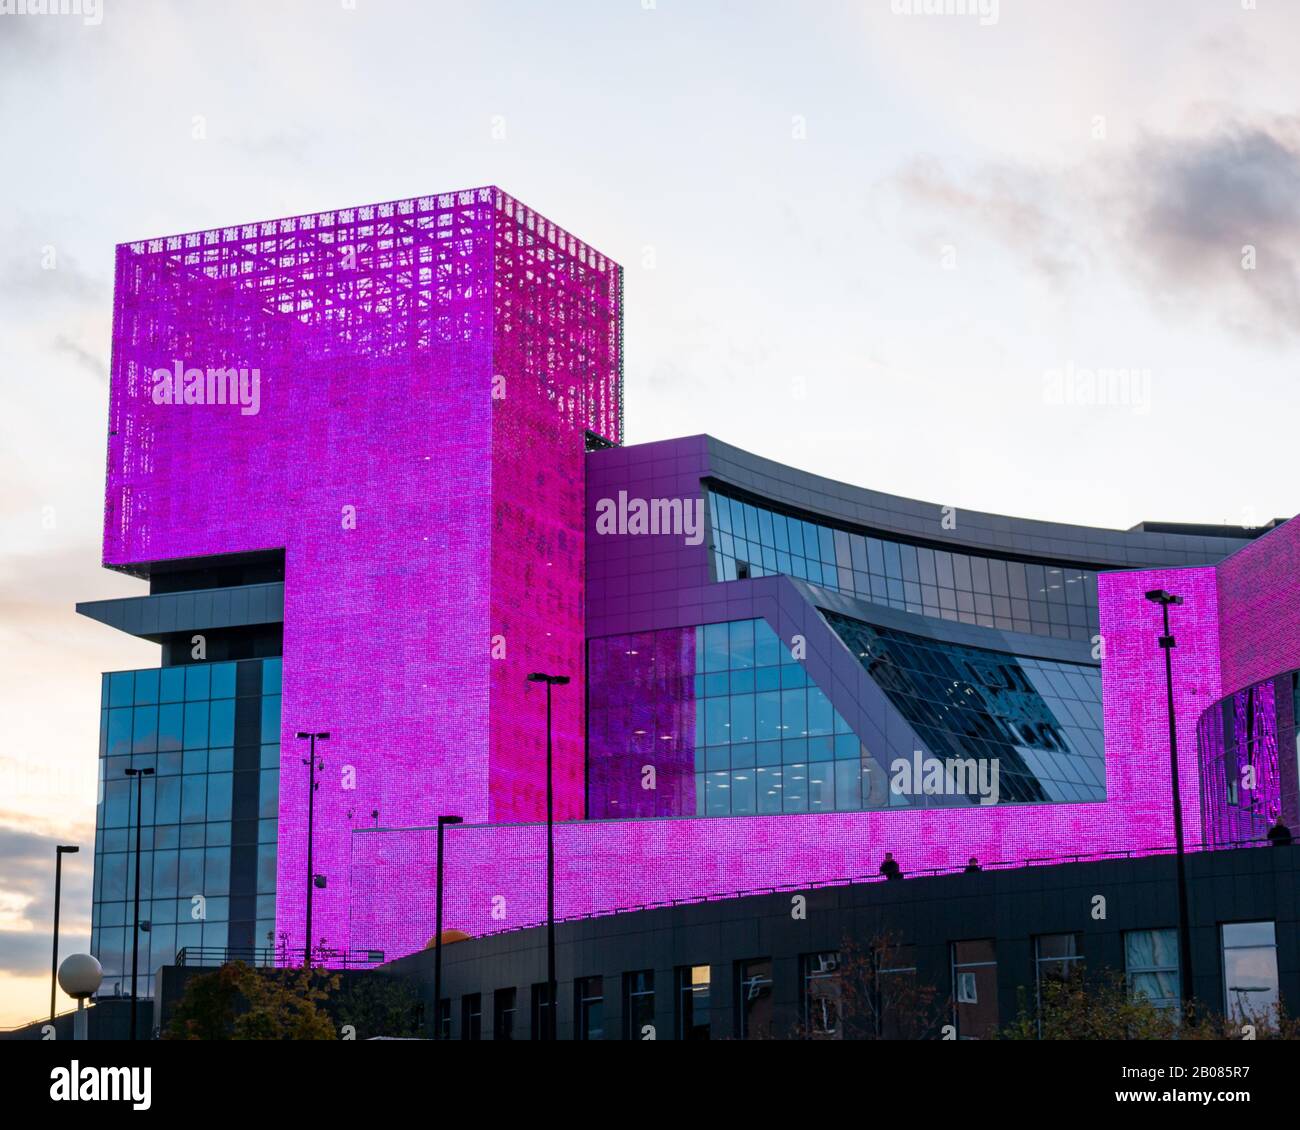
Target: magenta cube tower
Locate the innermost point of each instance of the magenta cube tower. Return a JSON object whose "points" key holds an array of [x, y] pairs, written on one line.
{"points": [[429, 370]]}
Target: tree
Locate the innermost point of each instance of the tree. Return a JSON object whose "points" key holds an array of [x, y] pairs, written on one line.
{"points": [[238, 1002], [1102, 1006], [378, 1005], [873, 994]]}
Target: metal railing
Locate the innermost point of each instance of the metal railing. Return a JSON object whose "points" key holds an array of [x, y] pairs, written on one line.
{"points": [[278, 957]]}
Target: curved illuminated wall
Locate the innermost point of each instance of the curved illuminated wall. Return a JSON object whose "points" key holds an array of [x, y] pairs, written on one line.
{"points": [[1248, 747], [1238, 644], [658, 609]]}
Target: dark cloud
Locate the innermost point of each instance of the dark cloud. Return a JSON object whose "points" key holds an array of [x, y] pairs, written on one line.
{"points": [[1191, 206], [1174, 212], [29, 875], [92, 363]]}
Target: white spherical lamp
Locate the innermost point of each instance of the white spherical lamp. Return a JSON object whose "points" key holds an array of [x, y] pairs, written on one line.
{"points": [[80, 975]]}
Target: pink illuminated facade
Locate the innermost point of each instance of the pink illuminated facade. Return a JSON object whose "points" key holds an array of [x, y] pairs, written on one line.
{"points": [[438, 426]]}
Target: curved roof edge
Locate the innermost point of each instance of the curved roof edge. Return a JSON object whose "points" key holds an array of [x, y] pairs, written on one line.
{"points": [[871, 511]]}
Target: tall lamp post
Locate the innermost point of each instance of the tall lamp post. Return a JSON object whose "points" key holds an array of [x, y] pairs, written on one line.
{"points": [[443, 821], [139, 775], [59, 852], [310, 760], [551, 992], [1168, 643]]}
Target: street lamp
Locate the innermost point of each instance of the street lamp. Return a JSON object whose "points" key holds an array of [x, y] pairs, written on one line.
{"points": [[443, 821], [1168, 643], [59, 852], [139, 775], [80, 975], [551, 992], [310, 760]]}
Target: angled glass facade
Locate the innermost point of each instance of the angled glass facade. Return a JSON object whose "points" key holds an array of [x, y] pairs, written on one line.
{"points": [[1038, 719], [211, 734], [1057, 600], [729, 722], [722, 720], [767, 738]]}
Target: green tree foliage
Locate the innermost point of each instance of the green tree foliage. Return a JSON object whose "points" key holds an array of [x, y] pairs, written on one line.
{"points": [[1101, 1006], [238, 1002], [378, 1005]]}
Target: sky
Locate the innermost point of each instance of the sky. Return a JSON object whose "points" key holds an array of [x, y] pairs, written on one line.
{"points": [[887, 244]]}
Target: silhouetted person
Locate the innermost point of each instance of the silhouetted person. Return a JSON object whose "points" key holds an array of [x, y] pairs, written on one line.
{"points": [[1279, 835], [972, 865], [890, 869]]}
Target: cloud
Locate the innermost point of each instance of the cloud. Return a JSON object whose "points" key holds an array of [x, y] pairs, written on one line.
{"points": [[1193, 205], [26, 279], [1012, 205], [92, 363], [27, 899], [1175, 213]]}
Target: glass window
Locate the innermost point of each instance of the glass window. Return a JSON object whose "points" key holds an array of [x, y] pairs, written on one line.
{"points": [[120, 722], [754, 999], [716, 649], [196, 725], [1057, 958], [1250, 983], [589, 1007], [992, 707], [167, 800], [504, 1008], [271, 669], [171, 686], [471, 1016], [694, 1019], [121, 686], [216, 871], [198, 682], [541, 1011], [223, 680], [1151, 966], [897, 1017], [194, 790], [218, 799], [145, 730], [821, 996], [975, 989], [271, 718], [741, 644], [639, 1005], [170, 731], [146, 687], [742, 718]]}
